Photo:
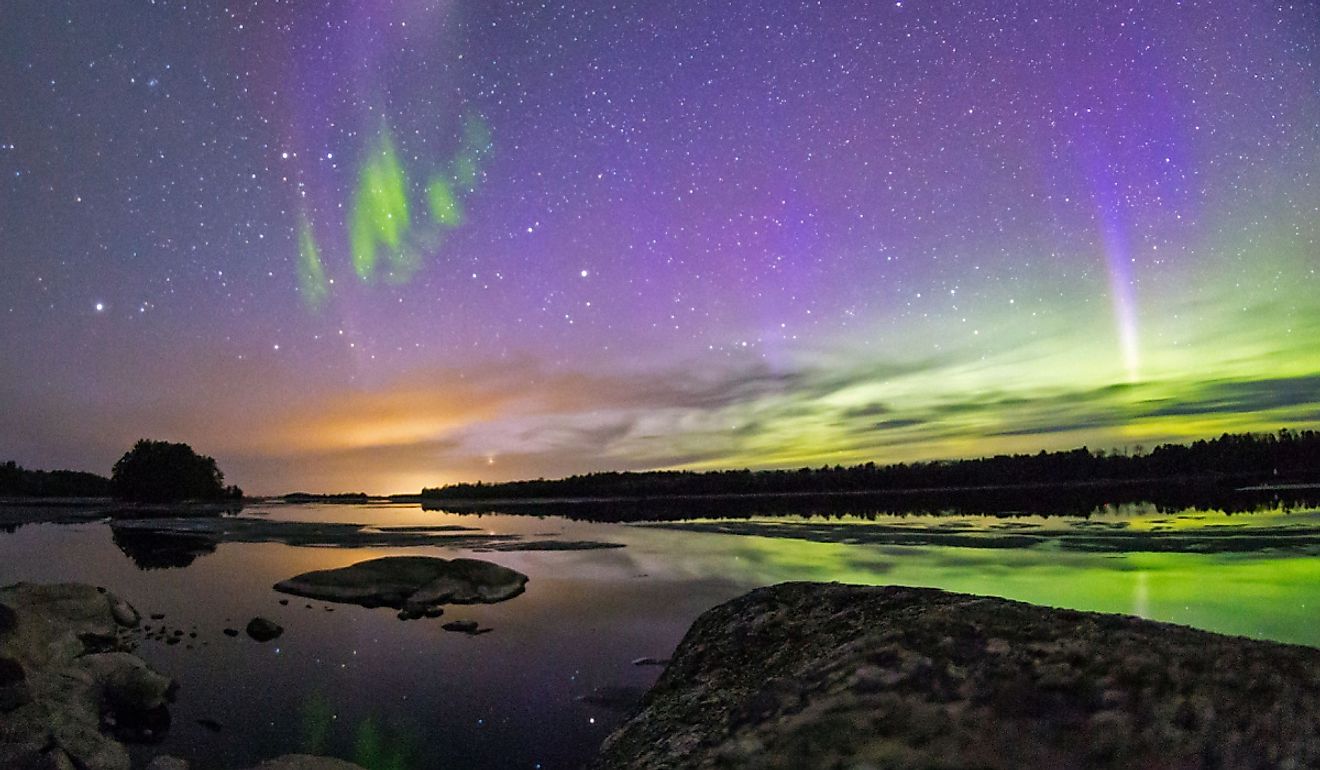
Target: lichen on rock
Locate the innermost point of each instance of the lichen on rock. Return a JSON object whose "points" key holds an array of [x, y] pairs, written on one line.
{"points": [[826, 675], [69, 687]]}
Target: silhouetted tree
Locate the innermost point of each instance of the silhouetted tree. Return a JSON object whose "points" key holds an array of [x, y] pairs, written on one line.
{"points": [[158, 471], [16, 481]]}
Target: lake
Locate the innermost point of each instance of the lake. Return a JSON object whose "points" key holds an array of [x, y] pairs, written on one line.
{"points": [[389, 694]]}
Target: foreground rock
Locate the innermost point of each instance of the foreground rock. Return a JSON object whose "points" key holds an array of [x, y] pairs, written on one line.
{"points": [[415, 585], [832, 676], [66, 682]]}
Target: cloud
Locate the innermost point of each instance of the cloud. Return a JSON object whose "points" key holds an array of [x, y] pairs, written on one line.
{"points": [[520, 418]]}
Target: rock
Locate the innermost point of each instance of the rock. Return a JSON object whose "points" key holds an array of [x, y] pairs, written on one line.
{"points": [[306, 762], [412, 584], [56, 622], [79, 680], [13, 686], [230, 632], [15, 756], [815, 675], [123, 612], [651, 662], [263, 630], [553, 545], [127, 684], [175, 542], [461, 626], [166, 762]]}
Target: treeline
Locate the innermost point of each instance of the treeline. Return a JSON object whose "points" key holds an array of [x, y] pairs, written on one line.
{"points": [[150, 472], [17, 481], [312, 497], [1077, 500], [1239, 459]]}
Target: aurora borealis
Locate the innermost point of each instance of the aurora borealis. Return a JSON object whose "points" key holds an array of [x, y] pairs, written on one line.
{"points": [[377, 245]]}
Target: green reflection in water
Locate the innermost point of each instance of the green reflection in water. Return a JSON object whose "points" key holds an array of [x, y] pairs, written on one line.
{"points": [[316, 718], [1261, 595], [377, 749], [372, 747]]}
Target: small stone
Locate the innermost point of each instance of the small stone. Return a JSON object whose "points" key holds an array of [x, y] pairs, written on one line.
{"points": [[461, 626], [123, 612], [263, 630]]}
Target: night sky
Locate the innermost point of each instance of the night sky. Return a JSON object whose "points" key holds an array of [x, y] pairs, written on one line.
{"points": [[378, 244]]}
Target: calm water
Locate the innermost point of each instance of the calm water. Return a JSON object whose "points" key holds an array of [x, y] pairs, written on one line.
{"points": [[360, 684]]}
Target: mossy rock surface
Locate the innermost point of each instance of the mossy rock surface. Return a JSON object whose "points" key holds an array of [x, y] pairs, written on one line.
{"points": [[836, 676]]}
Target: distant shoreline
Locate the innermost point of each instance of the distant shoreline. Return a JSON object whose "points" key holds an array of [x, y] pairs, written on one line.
{"points": [[1209, 483]]}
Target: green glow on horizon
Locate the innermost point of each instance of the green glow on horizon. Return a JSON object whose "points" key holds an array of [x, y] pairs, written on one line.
{"points": [[311, 273], [1264, 596], [380, 217]]}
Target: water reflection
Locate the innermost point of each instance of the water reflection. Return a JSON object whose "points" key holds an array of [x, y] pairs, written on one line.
{"points": [[1079, 501], [362, 685], [154, 550]]}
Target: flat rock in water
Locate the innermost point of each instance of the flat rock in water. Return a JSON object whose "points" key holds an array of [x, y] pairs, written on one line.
{"points": [[827, 675], [553, 545], [177, 541], [412, 584]]}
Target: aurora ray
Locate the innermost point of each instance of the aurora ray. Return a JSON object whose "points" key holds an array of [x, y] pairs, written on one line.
{"points": [[397, 244]]}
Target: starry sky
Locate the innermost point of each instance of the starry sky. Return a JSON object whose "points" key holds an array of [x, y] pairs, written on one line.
{"points": [[377, 244]]}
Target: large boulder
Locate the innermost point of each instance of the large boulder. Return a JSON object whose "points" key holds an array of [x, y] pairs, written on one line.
{"points": [[67, 679], [815, 675], [412, 584]]}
